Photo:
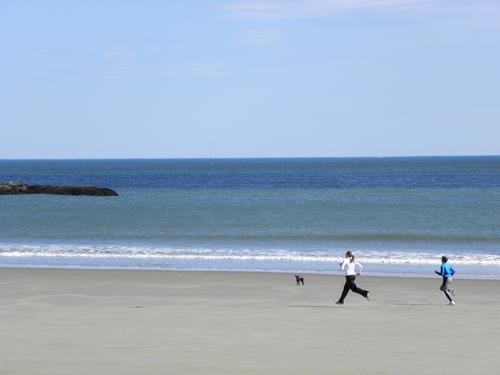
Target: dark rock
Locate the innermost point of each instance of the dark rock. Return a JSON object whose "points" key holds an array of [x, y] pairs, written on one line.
{"points": [[12, 188]]}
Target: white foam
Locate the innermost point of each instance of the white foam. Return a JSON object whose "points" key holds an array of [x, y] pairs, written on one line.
{"points": [[247, 255]]}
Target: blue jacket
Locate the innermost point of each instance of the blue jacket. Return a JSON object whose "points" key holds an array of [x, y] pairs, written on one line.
{"points": [[446, 270]]}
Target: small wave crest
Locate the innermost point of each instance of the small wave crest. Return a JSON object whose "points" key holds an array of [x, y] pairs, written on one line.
{"points": [[247, 255]]}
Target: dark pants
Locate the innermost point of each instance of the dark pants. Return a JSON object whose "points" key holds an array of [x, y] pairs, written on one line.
{"points": [[349, 284], [445, 287]]}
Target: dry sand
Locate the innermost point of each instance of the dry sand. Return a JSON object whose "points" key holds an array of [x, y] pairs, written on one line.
{"points": [[157, 322]]}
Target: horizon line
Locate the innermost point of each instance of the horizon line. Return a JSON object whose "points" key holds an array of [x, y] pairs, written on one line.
{"points": [[258, 157]]}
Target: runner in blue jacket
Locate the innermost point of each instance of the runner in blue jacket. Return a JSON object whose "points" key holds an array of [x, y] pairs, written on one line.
{"points": [[447, 273]]}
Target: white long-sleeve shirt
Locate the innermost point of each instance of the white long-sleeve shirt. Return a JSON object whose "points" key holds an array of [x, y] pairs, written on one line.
{"points": [[350, 268]]}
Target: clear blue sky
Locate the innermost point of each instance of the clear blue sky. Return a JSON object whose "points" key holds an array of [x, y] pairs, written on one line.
{"points": [[241, 78]]}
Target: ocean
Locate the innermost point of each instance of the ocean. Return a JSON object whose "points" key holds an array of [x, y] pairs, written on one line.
{"points": [[398, 215]]}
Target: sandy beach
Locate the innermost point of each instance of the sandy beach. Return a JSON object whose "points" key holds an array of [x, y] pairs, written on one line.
{"points": [[159, 322]]}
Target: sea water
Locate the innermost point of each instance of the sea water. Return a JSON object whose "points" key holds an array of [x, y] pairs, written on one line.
{"points": [[398, 215]]}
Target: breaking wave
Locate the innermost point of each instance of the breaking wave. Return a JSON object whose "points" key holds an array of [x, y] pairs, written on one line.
{"points": [[111, 252]]}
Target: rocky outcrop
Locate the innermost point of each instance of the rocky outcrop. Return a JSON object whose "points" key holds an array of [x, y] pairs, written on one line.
{"points": [[12, 188]]}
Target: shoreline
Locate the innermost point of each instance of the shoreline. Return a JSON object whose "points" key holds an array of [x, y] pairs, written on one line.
{"points": [[60, 321], [130, 256], [429, 275]]}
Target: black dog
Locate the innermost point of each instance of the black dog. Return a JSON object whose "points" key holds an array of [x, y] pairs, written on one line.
{"points": [[299, 279]]}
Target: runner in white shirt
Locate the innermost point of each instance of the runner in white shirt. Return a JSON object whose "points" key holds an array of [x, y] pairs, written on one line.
{"points": [[349, 266]]}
